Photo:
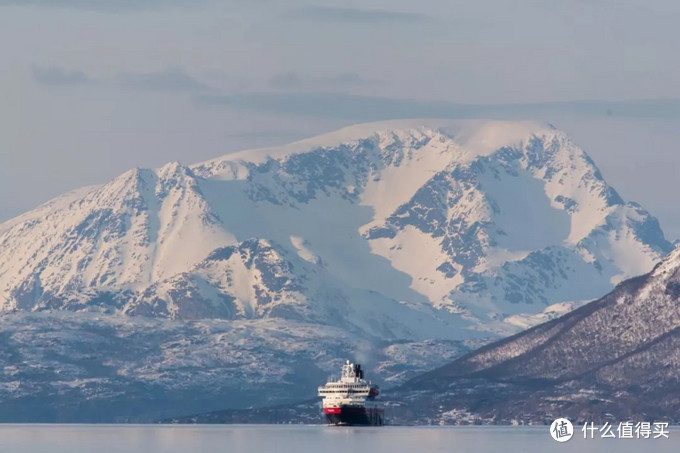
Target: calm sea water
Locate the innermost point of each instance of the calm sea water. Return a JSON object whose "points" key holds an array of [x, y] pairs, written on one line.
{"points": [[306, 439]]}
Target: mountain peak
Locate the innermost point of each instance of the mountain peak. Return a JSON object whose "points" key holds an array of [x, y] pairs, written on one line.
{"points": [[171, 169], [478, 137]]}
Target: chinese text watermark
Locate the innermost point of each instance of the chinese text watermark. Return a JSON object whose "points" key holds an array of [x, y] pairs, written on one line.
{"points": [[562, 430], [626, 430]]}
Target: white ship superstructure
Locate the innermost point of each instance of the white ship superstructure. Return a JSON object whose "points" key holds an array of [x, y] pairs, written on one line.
{"points": [[351, 400]]}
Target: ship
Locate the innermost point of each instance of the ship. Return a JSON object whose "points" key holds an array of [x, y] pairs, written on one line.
{"points": [[352, 400]]}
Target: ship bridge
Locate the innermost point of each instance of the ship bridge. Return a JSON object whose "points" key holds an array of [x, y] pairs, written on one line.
{"points": [[350, 384]]}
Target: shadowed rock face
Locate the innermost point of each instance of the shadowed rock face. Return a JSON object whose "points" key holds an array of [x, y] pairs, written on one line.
{"points": [[204, 292]]}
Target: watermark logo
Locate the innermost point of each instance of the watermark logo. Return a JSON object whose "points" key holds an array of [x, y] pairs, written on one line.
{"points": [[561, 430]]}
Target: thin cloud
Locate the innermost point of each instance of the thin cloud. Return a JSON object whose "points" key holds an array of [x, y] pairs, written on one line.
{"points": [[58, 76], [103, 5], [355, 15], [291, 81], [331, 105], [366, 108], [172, 79]]}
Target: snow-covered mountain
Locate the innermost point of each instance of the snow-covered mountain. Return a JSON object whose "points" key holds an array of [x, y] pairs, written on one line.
{"points": [[399, 229], [400, 234]]}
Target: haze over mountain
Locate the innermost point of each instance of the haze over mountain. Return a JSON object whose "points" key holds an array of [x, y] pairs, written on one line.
{"points": [[408, 241]]}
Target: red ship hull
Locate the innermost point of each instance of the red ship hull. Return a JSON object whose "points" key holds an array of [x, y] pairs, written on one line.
{"points": [[355, 416]]}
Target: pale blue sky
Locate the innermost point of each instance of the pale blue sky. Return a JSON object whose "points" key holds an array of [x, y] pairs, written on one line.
{"points": [[90, 88]]}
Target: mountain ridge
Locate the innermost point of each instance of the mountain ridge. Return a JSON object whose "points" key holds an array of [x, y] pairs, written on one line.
{"points": [[613, 359], [166, 206]]}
